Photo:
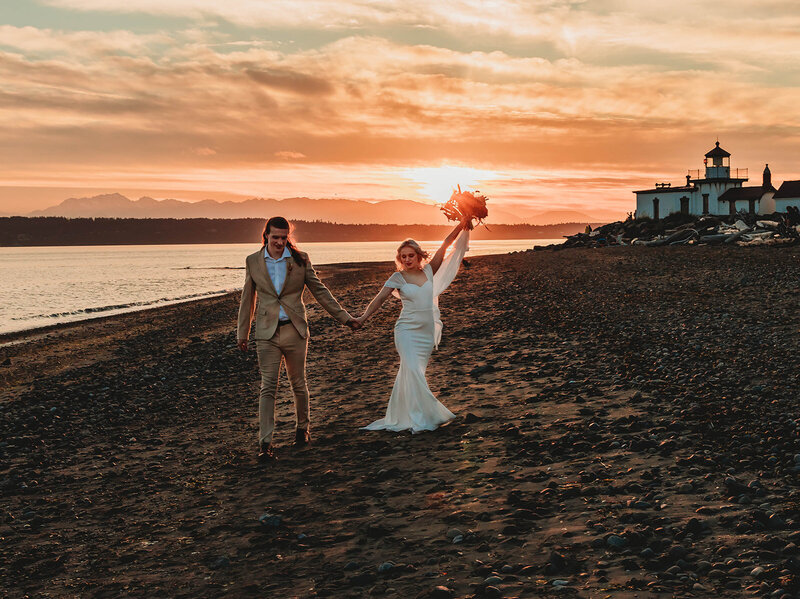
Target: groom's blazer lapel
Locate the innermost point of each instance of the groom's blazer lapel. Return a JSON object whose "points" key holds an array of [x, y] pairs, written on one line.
{"points": [[261, 269], [293, 270]]}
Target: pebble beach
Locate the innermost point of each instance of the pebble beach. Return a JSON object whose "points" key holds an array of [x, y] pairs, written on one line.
{"points": [[628, 425]]}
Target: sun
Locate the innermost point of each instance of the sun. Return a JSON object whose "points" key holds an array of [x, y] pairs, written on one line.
{"points": [[438, 183]]}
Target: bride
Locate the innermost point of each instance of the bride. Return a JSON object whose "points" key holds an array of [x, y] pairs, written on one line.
{"points": [[418, 330]]}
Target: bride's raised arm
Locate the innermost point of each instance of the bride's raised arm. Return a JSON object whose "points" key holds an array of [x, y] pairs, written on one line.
{"points": [[436, 261]]}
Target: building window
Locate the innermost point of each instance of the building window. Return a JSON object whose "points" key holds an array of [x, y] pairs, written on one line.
{"points": [[655, 208], [705, 203], [684, 205]]}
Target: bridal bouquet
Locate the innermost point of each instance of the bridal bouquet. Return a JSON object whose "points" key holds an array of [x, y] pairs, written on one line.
{"points": [[466, 204]]}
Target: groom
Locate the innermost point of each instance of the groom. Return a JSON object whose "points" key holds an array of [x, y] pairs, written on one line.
{"points": [[276, 276]]}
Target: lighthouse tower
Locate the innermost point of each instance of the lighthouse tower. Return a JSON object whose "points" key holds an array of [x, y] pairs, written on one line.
{"points": [[720, 163]]}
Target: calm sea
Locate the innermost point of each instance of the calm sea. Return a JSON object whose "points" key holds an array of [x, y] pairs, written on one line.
{"points": [[50, 285]]}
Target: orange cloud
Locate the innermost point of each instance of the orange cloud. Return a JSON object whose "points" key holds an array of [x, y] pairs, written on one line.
{"points": [[289, 155], [570, 100]]}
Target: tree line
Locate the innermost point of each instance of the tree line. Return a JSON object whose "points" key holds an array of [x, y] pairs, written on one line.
{"points": [[53, 230]]}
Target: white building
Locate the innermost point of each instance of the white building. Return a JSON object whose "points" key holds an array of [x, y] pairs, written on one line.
{"points": [[719, 191], [788, 194]]}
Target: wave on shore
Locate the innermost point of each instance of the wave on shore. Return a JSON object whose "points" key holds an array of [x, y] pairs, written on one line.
{"points": [[42, 320]]}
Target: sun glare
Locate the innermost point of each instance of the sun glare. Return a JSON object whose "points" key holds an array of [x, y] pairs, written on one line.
{"points": [[437, 183]]}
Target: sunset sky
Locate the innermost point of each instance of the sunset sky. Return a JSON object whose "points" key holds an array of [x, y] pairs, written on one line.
{"points": [[540, 104]]}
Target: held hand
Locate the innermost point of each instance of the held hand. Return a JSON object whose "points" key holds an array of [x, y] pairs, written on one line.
{"points": [[242, 344], [354, 324]]}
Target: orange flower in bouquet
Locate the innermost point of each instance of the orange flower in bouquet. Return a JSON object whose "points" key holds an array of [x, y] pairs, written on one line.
{"points": [[466, 204]]}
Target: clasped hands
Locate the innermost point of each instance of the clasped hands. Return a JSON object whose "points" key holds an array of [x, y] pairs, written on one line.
{"points": [[356, 323]]}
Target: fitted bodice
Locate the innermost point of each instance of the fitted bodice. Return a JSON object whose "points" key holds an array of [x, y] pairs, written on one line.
{"points": [[416, 297], [420, 302]]}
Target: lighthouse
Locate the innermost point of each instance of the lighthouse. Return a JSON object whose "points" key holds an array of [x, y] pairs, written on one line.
{"points": [[703, 192]]}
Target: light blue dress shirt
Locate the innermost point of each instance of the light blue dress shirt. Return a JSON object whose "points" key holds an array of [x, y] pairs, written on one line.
{"points": [[277, 273]]}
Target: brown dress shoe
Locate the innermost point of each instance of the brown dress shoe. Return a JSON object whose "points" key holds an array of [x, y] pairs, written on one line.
{"points": [[267, 453], [302, 437]]}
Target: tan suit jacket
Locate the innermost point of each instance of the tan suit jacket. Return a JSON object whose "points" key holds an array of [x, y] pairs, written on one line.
{"points": [[260, 298]]}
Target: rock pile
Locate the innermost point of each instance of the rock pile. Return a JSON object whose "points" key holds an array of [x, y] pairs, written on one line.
{"points": [[685, 229]]}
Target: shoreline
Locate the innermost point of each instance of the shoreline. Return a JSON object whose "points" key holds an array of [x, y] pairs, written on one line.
{"points": [[626, 426], [56, 342], [20, 336], [14, 336]]}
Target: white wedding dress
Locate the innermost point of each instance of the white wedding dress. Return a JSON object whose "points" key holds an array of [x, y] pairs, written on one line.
{"points": [[417, 332]]}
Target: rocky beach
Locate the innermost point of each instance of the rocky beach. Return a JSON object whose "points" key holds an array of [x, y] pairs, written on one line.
{"points": [[628, 425]]}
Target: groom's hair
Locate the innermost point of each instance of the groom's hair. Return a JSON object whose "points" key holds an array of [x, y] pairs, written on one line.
{"points": [[278, 222]]}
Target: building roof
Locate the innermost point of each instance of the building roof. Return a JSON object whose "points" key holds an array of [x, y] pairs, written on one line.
{"points": [[689, 188], [717, 152], [788, 189], [735, 194]]}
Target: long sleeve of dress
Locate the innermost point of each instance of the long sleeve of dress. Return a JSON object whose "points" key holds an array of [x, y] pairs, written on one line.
{"points": [[444, 276], [449, 268]]}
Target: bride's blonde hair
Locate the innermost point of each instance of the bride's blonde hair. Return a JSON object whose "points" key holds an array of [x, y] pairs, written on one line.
{"points": [[423, 255]]}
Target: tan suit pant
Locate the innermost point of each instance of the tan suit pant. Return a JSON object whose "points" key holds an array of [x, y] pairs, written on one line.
{"points": [[289, 347]]}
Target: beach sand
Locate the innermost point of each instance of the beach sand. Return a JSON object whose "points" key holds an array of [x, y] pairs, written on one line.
{"points": [[627, 427]]}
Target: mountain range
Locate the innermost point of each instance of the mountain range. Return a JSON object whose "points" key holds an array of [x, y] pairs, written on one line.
{"points": [[401, 212]]}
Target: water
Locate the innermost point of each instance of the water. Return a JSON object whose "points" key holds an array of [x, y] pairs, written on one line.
{"points": [[51, 285]]}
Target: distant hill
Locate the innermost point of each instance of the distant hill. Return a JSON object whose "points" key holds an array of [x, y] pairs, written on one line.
{"points": [[331, 210], [343, 211]]}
